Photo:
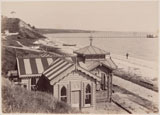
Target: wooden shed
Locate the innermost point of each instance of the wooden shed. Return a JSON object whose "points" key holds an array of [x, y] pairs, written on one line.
{"points": [[70, 83]]}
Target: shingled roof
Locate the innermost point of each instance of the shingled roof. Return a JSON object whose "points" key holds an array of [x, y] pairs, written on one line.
{"points": [[91, 50]]}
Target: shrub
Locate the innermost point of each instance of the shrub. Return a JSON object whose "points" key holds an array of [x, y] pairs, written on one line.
{"points": [[16, 99]]}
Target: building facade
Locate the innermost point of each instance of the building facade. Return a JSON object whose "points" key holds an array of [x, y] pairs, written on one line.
{"points": [[70, 83]]}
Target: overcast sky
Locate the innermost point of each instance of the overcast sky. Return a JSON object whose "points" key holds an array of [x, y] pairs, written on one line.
{"points": [[106, 15]]}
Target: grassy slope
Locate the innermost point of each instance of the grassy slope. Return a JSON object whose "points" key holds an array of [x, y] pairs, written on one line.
{"points": [[11, 24], [19, 100], [17, 25]]}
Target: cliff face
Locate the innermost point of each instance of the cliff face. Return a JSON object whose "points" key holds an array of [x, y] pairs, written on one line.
{"points": [[25, 30]]}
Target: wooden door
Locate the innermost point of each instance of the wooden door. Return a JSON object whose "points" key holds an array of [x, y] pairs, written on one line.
{"points": [[75, 99]]}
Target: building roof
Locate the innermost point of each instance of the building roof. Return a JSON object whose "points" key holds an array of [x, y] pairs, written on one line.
{"points": [[90, 65], [61, 67], [91, 50], [33, 66]]}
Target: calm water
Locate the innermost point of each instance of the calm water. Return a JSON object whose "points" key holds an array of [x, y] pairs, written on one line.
{"points": [[142, 48]]}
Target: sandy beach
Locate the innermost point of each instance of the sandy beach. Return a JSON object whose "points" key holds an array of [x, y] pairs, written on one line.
{"points": [[145, 69], [148, 70]]}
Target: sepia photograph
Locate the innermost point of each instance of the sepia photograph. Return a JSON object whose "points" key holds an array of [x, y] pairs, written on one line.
{"points": [[80, 57]]}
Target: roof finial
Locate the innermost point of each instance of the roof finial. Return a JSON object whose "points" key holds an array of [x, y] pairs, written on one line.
{"points": [[91, 39]]}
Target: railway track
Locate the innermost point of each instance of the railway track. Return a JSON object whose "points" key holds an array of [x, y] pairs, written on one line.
{"points": [[119, 105], [127, 101], [137, 89]]}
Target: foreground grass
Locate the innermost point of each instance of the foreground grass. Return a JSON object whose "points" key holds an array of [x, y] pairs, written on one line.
{"points": [[19, 100]]}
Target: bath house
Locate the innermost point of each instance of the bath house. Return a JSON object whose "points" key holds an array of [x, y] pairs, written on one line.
{"points": [[74, 81], [98, 62], [70, 83], [30, 69]]}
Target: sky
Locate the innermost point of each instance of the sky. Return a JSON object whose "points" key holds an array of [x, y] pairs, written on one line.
{"points": [[95, 15]]}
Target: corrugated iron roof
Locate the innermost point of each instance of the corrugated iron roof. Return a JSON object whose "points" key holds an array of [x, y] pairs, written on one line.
{"points": [[33, 66], [61, 67], [57, 67], [91, 50]]}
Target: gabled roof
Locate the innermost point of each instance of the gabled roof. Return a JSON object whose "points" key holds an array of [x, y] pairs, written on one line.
{"points": [[91, 50], [33, 66], [90, 65], [62, 67], [57, 67]]}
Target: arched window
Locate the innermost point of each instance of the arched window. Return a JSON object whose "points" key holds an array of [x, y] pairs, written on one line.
{"points": [[88, 94], [63, 94]]}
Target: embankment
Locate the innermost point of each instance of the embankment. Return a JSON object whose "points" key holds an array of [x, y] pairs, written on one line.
{"points": [[16, 99]]}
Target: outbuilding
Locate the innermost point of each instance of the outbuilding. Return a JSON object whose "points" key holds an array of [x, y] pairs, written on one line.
{"points": [[70, 83]]}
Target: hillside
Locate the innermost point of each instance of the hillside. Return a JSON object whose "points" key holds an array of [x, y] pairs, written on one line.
{"points": [[16, 99], [16, 25], [27, 34]]}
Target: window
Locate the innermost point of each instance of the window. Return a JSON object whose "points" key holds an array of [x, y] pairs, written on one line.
{"points": [[63, 94], [33, 84], [88, 94], [103, 81]]}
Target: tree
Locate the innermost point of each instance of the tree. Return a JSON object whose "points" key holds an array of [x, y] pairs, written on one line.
{"points": [[33, 27]]}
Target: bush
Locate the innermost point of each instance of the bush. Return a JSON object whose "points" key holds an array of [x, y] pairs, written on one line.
{"points": [[16, 99]]}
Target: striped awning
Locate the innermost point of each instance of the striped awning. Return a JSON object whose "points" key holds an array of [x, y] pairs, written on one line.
{"points": [[33, 66]]}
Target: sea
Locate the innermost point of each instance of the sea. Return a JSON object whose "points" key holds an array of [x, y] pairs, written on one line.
{"points": [[142, 48]]}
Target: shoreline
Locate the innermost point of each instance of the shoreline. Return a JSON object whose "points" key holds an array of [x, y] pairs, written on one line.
{"points": [[138, 61], [148, 70], [59, 44], [141, 50]]}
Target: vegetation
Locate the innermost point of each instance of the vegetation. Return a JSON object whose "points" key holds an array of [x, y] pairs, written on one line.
{"points": [[16, 99], [11, 24], [25, 30], [26, 37]]}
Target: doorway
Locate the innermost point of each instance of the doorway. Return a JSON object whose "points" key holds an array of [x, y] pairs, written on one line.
{"points": [[76, 99]]}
